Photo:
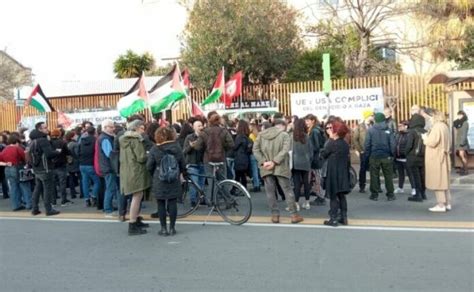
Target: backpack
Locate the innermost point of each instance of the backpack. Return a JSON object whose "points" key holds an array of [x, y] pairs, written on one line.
{"points": [[215, 150], [169, 169], [420, 146], [32, 154], [97, 150]]}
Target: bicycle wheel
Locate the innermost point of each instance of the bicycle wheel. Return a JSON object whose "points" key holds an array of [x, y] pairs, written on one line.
{"points": [[185, 202], [233, 202]]}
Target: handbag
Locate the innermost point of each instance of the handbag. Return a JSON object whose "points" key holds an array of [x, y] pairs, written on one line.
{"points": [[25, 174]]}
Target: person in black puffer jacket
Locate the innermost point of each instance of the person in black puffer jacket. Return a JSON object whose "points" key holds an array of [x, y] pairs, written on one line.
{"points": [[401, 156], [166, 193], [416, 157], [42, 154]]}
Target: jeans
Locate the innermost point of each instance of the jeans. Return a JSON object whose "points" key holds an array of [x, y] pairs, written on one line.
{"points": [[44, 185], [255, 171], [194, 169], [87, 174], [270, 188], [230, 168], [111, 191], [386, 165], [60, 175], [18, 190]]}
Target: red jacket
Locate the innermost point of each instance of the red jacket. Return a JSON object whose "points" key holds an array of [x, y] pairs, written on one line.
{"points": [[14, 154]]}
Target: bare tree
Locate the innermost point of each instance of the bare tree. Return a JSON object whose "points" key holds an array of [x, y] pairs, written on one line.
{"points": [[12, 75]]}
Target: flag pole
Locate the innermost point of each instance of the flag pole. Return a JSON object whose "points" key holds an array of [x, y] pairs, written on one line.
{"points": [[147, 98]]}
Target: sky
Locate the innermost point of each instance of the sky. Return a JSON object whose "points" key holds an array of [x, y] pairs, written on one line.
{"points": [[80, 39]]}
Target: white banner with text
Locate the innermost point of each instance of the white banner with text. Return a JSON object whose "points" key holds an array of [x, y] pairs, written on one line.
{"points": [[347, 104]]}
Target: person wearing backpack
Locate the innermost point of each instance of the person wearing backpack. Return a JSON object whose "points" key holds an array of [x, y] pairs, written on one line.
{"points": [[216, 141], [242, 150], [42, 154], [165, 164], [415, 150]]}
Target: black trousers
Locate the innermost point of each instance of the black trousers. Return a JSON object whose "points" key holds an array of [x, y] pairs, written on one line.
{"points": [[3, 182], [44, 185], [301, 179], [241, 177], [337, 202], [417, 172], [402, 169], [172, 207], [364, 167]]}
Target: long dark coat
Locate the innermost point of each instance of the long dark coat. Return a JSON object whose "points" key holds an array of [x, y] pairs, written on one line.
{"points": [[336, 153], [160, 189], [242, 145]]}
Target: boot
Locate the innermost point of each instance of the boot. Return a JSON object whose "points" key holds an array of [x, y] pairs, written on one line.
{"points": [[141, 224], [133, 229], [172, 231], [275, 218], [331, 222], [163, 231], [296, 218], [343, 218], [415, 198]]}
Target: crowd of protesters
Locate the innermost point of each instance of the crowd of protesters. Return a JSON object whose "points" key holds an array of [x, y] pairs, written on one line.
{"points": [[113, 166]]}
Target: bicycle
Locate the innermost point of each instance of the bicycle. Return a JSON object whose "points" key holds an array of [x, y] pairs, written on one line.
{"points": [[231, 200]]}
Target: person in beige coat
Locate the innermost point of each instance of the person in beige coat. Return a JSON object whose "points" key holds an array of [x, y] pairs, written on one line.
{"points": [[438, 163]]}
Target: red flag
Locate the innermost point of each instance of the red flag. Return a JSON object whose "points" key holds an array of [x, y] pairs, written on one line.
{"points": [[233, 88], [197, 110], [64, 120], [186, 82]]}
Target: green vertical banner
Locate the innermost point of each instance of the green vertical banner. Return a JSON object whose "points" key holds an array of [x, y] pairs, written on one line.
{"points": [[326, 73]]}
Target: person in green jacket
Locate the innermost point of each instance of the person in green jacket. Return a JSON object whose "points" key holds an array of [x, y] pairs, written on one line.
{"points": [[134, 177], [271, 149]]}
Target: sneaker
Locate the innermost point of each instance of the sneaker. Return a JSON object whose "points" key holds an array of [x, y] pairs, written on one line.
{"points": [[66, 203], [374, 197], [413, 192], [399, 191], [318, 201], [438, 209], [306, 206], [362, 190], [391, 198], [110, 215], [19, 208], [448, 207], [88, 203]]}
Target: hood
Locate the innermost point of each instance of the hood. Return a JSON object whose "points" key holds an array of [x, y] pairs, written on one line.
{"points": [[416, 121], [128, 137], [170, 147], [271, 133], [381, 126], [35, 134]]}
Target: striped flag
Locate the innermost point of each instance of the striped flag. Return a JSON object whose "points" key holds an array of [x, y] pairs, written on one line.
{"points": [[167, 91], [38, 100], [134, 100]]}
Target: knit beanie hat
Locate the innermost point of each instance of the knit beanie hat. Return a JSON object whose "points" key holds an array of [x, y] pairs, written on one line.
{"points": [[379, 117]]}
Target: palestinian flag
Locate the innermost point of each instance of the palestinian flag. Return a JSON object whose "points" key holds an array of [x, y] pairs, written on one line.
{"points": [[134, 100], [196, 110], [167, 91], [217, 90], [186, 83], [233, 88], [38, 100]]}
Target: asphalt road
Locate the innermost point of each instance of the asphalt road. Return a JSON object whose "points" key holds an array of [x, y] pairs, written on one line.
{"points": [[40, 255]]}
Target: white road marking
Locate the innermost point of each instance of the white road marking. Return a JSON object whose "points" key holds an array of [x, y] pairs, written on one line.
{"points": [[312, 226]]}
